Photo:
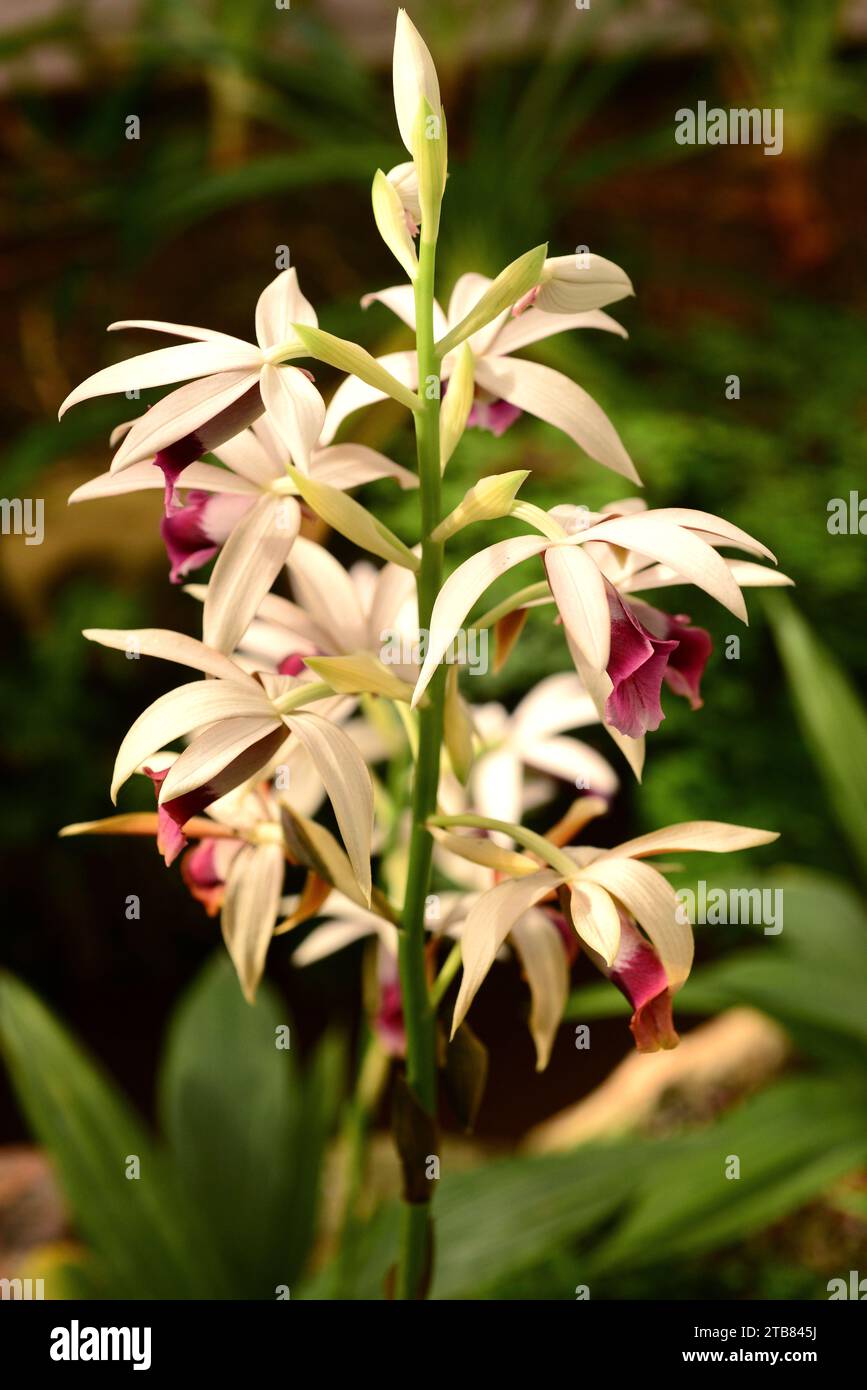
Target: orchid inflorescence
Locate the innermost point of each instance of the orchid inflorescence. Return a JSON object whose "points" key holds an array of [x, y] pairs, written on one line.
{"points": [[295, 700]]}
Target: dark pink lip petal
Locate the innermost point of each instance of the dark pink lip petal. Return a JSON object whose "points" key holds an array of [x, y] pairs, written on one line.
{"points": [[170, 840], [193, 531], [639, 974], [495, 416], [202, 877], [292, 665], [686, 665], [636, 667]]}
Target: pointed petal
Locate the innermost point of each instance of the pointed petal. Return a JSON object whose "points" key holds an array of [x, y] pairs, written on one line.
{"points": [[163, 367], [296, 410], [581, 598], [325, 591], [280, 305], [180, 330], [247, 457], [246, 567], [171, 646], [489, 921], [179, 712], [563, 403], [145, 476], [217, 750], [202, 409], [569, 286], [706, 836], [347, 783], [250, 910], [675, 546], [710, 526], [463, 588], [540, 947], [595, 918], [535, 324], [350, 465], [573, 761]]}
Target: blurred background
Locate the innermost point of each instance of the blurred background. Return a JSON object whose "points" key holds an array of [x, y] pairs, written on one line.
{"points": [[260, 126]]}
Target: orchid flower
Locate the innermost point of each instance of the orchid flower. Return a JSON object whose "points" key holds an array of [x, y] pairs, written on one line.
{"points": [[243, 723], [231, 383], [623, 911], [247, 512], [502, 386], [591, 561]]}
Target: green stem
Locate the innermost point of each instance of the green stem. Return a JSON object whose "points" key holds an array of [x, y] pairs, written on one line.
{"points": [[447, 973], [417, 1011]]}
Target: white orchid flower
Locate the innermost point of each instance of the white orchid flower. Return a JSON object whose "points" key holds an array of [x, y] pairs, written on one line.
{"points": [[503, 385], [246, 512], [231, 382], [613, 894], [621, 661], [243, 724]]}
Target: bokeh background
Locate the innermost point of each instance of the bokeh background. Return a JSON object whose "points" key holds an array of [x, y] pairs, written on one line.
{"points": [[261, 126]]}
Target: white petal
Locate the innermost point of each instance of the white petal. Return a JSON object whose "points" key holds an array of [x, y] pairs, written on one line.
{"points": [[246, 567], [580, 595], [347, 783], [400, 299], [707, 836], [145, 476], [180, 330], [280, 305], [463, 588], [171, 646], [575, 762], [489, 921], [557, 703], [651, 900], [325, 590], [554, 398], [708, 525], [186, 411], [350, 465], [164, 366], [352, 393], [246, 456], [177, 713], [250, 911], [534, 325], [296, 410], [216, 751], [596, 919], [675, 546], [540, 947], [568, 287]]}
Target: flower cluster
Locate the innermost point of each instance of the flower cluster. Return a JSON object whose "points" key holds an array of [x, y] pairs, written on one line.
{"points": [[294, 708]]}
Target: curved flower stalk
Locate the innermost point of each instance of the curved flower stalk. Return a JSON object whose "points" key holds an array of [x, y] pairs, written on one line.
{"points": [[231, 383], [243, 723], [501, 386], [624, 912], [621, 660]]}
